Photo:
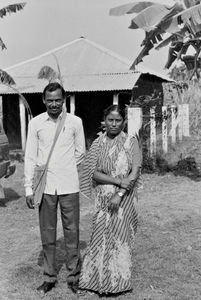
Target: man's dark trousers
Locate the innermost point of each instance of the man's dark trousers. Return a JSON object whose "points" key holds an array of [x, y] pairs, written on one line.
{"points": [[70, 213]]}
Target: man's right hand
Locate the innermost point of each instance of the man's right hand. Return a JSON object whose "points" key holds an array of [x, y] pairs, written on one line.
{"points": [[30, 201]]}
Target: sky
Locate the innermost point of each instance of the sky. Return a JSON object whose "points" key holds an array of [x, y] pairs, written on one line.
{"points": [[46, 24]]}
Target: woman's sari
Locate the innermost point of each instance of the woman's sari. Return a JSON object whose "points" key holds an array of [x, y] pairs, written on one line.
{"points": [[107, 263]]}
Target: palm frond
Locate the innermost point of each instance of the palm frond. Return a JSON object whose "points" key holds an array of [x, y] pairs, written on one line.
{"points": [[48, 73], [26, 104], [59, 76], [5, 78], [12, 8], [2, 45]]}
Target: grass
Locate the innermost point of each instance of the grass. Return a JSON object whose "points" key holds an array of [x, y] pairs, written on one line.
{"points": [[167, 256]]}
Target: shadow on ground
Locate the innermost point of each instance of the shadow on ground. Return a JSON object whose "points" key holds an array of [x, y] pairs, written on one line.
{"points": [[10, 195]]}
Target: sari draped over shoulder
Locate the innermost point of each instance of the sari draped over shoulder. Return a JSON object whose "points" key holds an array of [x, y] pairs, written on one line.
{"points": [[107, 262]]}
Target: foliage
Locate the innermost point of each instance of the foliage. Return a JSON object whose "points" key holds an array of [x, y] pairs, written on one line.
{"points": [[5, 78], [182, 22], [187, 167], [12, 8], [48, 73], [192, 96], [179, 73]]}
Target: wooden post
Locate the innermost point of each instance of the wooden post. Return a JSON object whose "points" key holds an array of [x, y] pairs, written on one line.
{"points": [[22, 122], [134, 120], [1, 107], [152, 131], [173, 124], [185, 110], [72, 104], [1, 113], [115, 99], [180, 121], [164, 129]]}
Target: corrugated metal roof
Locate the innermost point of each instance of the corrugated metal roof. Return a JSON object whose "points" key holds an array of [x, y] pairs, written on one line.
{"points": [[84, 65], [79, 83]]}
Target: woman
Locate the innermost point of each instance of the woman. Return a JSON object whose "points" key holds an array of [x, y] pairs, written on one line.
{"points": [[109, 175]]}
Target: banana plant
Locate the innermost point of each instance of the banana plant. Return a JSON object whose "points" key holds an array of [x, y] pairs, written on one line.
{"points": [[48, 73], [12, 8], [5, 78], [182, 21]]}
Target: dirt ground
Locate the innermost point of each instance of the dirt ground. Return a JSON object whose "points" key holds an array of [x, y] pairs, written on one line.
{"points": [[167, 254]]}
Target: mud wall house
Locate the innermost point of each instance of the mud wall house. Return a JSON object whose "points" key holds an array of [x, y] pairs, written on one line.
{"points": [[93, 78]]}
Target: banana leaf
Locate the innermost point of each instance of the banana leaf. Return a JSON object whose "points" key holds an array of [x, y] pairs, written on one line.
{"points": [[12, 8], [5, 78], [130, 8]]}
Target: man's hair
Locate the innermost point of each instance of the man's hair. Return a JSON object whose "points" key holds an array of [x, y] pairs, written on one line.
{"points": [[51, 87]]}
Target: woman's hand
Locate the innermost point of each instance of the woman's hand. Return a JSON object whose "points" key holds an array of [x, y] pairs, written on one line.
{"points": [[114, 203], [127, 183]]}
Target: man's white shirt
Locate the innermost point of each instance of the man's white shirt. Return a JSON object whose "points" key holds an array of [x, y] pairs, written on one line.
{"points": [[62, 174]]}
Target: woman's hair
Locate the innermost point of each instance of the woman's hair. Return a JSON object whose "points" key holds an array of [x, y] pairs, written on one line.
{"points": [[112, 108]]}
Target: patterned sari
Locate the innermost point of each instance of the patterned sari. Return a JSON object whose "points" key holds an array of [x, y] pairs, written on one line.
{"points": [[107, 263]]}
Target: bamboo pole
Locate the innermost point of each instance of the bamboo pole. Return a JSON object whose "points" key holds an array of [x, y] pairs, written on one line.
{"points": [[115, 99], [173, 124], [1, 113], [180, 123], [22, 123], [186, 126], [72, 104]]}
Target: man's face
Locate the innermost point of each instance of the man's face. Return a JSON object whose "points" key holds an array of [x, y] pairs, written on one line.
{"points": [[54, 102]]}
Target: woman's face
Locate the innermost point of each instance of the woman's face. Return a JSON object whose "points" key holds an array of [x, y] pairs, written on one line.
{"points": [[114, 123]]}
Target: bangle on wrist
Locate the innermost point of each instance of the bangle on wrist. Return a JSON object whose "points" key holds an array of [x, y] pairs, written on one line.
{"points": [[121, 194]]}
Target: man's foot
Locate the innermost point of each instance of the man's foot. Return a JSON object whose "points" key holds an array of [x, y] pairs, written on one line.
{"points": [[46, 286], [73, 286]]}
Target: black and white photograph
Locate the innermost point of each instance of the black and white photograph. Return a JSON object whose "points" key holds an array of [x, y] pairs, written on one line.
{"points": [[100, 150]]}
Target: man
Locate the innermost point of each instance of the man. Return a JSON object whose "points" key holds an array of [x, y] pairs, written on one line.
{"points": [[62, 183]]}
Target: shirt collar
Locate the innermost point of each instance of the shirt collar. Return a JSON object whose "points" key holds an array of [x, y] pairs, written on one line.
{"points": [[47, 117]]}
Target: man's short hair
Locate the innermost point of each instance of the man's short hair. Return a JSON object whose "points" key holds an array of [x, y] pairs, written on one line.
{"points": [[53, 86]]}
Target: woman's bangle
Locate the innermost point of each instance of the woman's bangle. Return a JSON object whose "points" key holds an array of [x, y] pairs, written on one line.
{"points": [[121, 192]]}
